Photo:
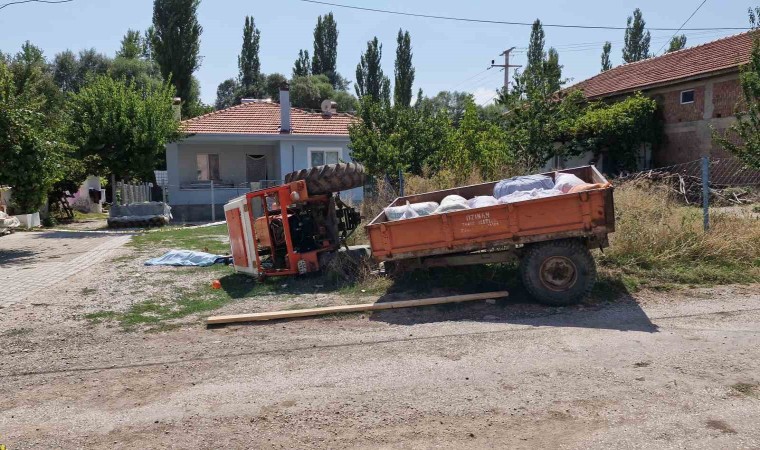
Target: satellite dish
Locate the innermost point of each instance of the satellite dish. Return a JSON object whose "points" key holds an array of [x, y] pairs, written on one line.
{"points": [[329, 107]]}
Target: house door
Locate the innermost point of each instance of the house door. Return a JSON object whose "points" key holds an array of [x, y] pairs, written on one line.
{"points": [[255, 168]]}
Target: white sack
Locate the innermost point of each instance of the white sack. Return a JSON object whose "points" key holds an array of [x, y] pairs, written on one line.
{"points": [[482, 201], [566, 181], [410, 210]]}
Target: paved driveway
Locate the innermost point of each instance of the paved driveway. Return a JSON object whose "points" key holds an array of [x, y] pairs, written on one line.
{"points": [[31, 262]]}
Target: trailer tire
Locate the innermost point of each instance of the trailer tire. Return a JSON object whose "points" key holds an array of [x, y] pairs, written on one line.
{"points": [[329, 178], [558, 273]]}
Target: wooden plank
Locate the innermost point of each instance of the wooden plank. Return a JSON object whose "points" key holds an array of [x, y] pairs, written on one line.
{"points": [[256, 317]]}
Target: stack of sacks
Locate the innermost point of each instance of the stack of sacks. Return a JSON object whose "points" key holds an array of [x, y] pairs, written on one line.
{"points": [[515, 189], [452, 203], [410, 210]]}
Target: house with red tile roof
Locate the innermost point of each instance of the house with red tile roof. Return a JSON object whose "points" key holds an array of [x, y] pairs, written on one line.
{"points": [[696, 89], [226, 153]]}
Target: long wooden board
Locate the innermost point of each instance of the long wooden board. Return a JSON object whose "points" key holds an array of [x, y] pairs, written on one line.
{"points": [[256, 317]]}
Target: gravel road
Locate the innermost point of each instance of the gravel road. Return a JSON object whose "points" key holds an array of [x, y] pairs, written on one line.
{"points": [[658, 371]]}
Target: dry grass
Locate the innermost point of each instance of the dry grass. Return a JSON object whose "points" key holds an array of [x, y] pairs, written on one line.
{"points": [[659, 241]]}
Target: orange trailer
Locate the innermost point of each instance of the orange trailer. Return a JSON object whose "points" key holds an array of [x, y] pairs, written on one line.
{"points": [[551, 236]]}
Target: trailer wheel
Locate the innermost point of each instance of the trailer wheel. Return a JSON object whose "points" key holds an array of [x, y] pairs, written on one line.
{"points": [[329, 178], [558, 273]]}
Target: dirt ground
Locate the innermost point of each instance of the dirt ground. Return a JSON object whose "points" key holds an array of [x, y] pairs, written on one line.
{"points": [[655, 370]]}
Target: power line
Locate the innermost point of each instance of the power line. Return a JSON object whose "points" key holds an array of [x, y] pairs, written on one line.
{"points": [[501, 22], [34, 1], [470, 78], [684, 23]]}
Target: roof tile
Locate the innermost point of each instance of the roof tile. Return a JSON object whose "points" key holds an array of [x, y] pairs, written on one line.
{"points": [[721, 54], [264, 118]]}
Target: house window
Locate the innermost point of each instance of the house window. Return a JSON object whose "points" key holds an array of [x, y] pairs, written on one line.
{"points": [[687, 96], [208, 166], [321, 156]]}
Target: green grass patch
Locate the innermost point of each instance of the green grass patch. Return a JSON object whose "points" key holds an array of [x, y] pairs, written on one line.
{"points": [[209, 239], [89, 216], [200, 299]]}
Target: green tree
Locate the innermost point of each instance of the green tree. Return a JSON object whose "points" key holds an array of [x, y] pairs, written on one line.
{"points": [[249, 64], [143, 73], [536, 55], [176, 45], [606, 64], [309, 92], [677, 43], [404, 70], [131, 45], [478, 145], [120, 129], [325, 58], [388, 138], [302, 66], [31, 158], [271, 85], [552, 71], [452, 103], [636, 45], [370, 80], [543, 73], [743, 138], [618, 128], [148, 38], [227, 94], [65, 71]]}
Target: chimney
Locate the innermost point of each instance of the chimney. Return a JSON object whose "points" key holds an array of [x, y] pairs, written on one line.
{"points": [[177, 108], [284, 108]]}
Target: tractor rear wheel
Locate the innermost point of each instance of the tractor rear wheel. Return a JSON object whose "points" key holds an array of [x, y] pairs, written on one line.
{"points": [[329, 178]]}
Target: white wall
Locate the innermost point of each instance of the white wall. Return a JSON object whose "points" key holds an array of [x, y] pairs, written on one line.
{"points": [[232, 160]]}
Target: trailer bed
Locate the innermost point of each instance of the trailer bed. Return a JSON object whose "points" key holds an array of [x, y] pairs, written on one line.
{"points": [[588, 214]]}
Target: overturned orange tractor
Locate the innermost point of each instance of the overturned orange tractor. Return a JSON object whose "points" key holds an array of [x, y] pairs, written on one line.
{"points": [[296, 227]]}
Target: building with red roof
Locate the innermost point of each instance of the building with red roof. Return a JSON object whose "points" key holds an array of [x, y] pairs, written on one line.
{"points": [[254, 144], [697, 89]]}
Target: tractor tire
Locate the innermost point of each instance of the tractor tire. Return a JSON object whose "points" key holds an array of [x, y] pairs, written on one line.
{"points": [[329, 178], [558, 273]]}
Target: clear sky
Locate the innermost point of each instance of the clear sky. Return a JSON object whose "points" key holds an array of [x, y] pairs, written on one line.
{"points": [[447, 55]]}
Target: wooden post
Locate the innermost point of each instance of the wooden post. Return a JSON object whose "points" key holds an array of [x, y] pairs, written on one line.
{"points": [[293, 313]]}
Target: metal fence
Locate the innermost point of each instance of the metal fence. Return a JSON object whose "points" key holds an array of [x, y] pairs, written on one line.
{"points": [[126, 193], [707, 182]]}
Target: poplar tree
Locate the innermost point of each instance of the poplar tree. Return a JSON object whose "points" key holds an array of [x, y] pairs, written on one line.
{"points": [[636, 45], [606, 64], [402, 89], [176, 46], [324, 59], [370, 80], [302, 66], [249, 65]]}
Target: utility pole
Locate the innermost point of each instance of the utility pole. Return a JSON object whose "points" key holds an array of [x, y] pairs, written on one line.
{"points": [[506, 67]]}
